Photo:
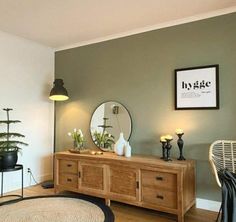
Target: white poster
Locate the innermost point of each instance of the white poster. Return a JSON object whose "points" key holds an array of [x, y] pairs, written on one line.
{"points": [[197, 88]]}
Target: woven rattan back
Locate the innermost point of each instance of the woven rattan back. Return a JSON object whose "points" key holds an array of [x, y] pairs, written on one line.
{"points": [[222, 155]]}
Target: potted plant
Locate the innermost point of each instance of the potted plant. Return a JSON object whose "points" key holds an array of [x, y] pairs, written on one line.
{"points": [[103, 140], [9, 146], [78, 139]]}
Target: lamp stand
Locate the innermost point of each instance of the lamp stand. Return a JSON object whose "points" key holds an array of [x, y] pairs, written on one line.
{"points": [[49, 184]]}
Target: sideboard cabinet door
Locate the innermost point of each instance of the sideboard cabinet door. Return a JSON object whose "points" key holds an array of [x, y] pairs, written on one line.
{"points": [[123, 183], [92, 177]]}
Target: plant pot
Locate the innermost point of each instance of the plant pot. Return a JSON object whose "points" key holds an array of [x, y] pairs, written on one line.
{"points": [[8, 159], [78, 146]]}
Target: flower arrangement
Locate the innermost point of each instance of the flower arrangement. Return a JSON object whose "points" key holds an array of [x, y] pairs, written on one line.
{"points": [[103, 140], [78, 138]]}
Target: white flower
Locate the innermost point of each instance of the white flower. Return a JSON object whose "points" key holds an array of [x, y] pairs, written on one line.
{"points": [[75, 130], [69, 134]]}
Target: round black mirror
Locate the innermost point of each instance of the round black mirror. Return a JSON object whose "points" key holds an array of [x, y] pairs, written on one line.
{"points": [[108, 121]]}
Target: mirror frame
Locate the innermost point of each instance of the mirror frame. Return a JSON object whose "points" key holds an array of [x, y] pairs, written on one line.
{"points": [[131, 122]]}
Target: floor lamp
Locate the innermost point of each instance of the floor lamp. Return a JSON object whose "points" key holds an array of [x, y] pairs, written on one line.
{"points": [[58, 93]]}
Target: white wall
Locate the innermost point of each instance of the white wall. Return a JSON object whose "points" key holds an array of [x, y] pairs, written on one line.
{"points": [[26, 75]]}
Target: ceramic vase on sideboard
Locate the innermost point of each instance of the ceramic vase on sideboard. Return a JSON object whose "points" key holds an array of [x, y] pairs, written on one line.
{"points": [[127, 150], [120, 145]]}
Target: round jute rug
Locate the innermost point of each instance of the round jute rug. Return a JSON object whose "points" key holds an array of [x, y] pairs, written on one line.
{"points": [[58, 209]]}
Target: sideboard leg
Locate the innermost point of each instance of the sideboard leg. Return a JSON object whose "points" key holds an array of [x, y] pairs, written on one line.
{"points": [[108, 202], [180, 218], [56, 191]]}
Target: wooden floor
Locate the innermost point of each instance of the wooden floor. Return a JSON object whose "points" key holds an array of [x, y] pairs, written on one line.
{"points": [[126, 213]]}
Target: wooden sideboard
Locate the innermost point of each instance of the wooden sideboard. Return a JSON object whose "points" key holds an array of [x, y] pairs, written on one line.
{"points": [[144, 181]]}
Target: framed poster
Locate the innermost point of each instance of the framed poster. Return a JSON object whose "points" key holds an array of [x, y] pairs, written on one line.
{"points": [[197, 87]]}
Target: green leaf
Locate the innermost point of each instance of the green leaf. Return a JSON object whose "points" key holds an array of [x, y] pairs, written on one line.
{"points": [[9, 121], [104, 140], [6, 135], [10, 148], [111, 141], [11, 143]]}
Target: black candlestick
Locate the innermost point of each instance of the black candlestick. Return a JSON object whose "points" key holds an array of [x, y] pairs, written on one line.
{"points": [[163, 149], [180, 143], [168, 148]]}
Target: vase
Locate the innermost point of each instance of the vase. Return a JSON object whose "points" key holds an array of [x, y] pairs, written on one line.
{"points": [[78, 146], [127, 150], [120, 145]]}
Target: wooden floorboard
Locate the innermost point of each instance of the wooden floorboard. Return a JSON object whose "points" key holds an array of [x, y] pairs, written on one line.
{"points": [[127, 213]]}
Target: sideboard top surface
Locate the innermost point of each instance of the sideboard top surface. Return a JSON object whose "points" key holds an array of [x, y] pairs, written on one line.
{"points": [[140, 159]]}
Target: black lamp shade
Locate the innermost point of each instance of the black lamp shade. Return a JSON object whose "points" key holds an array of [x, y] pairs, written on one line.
{"points": [[58, 92]]}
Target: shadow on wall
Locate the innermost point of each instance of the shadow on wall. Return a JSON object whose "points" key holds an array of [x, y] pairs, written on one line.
{"points": [[153, 147], [46, 90], [197, 151], [207, 187], [206, 184], [147, 147]]}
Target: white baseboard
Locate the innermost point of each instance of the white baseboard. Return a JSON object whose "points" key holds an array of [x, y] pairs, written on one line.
{"points": [[208, 204], [12, 182], [44, 178], [39, 179]]}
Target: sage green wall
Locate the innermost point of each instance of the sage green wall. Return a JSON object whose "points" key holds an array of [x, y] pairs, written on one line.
{"points": [[138, 71]]}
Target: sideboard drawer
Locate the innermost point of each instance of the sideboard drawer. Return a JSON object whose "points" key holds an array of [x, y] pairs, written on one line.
{"points": [[167, 181], [159, 197], [68, 166], [68, 180]]}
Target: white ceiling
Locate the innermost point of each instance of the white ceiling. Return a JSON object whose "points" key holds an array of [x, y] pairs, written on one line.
{"points": [[64, 23]]}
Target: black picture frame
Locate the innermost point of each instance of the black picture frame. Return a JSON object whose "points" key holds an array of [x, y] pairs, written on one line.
{"points": [[197, 88]]}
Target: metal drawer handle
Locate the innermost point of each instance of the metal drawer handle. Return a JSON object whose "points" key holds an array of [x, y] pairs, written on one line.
{"points": [[69, 165], [69, 180], [159, 178], [160, 197]]}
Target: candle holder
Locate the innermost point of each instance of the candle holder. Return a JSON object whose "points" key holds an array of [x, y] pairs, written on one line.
{"points": [[180, 143], [163, 149], [168, 148]]}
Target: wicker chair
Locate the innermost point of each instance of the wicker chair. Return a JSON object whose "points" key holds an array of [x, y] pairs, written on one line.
{"points": [[222, 155]]}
